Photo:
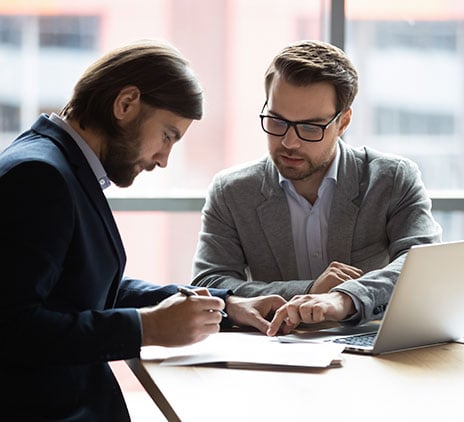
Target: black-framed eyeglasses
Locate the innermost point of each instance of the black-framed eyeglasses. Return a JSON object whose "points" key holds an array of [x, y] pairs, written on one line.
{"points": [[306, 131]]}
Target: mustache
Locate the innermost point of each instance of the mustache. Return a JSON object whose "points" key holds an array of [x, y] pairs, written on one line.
{"points": [[150, 167], [289, 153]]}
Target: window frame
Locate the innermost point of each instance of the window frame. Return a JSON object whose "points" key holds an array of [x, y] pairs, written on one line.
{"points": [[447, 201]]}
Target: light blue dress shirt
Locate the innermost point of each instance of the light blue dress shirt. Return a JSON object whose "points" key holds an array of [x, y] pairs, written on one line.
{"points": [[91, 157], [310, 222], [310, 226]]}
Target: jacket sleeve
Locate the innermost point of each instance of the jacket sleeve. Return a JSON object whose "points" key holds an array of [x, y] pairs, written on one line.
{"points": [[403, 214], [41, 322], [139, 293]]}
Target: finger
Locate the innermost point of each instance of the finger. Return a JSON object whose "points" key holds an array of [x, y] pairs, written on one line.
{"points": [[207, 305], [207, 317], [339, 274], [207, 302], [260, 323], [202, 291], [293, 314], [286, 329], [306, 312], [277, 321], [352, 270], [318, 314], [277, 302], [215, 305], [220, 309], [221, 312], [353, 273], [340, 268]]}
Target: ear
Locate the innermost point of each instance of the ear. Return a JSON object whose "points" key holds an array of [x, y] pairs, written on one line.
{"points": [[127, 103], [345, 120]]}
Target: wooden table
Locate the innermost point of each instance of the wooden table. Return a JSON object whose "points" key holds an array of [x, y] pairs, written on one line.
{"points": [[418, 385]]}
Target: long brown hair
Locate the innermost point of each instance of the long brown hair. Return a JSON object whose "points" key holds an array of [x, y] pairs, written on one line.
{"points": [[157, 69]]}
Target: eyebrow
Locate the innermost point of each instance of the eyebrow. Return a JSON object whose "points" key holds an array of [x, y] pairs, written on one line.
{"points": [[312, 120]]}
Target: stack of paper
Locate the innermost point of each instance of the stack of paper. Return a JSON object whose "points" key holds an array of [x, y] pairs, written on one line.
{"points": [[248, 350]]}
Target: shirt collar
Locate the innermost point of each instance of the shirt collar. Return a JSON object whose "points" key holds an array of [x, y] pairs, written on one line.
{"points": [[91, 157]]}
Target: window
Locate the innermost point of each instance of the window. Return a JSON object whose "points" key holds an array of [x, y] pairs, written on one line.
{"points": [[73, 32], [41, 57], [409, 55], [229, 45], [9, 118], [410, 60], [418, 35], [10, 31], [394, 120]]}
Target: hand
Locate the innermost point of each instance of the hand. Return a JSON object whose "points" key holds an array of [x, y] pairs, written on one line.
{"points": [[254, 311], [335, 274], [311, 308], [180, 320]]}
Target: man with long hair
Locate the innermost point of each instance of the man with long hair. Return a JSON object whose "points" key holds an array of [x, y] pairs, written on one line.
{"points": [[66, 308]]}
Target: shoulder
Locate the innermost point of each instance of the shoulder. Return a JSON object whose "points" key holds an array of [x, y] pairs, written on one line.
{"points": [[29, 146], [245, 183], [33, 162], [369, 159], [244, 170], [249, 173]]}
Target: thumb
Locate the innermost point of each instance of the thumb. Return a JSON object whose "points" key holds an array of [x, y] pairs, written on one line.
{"points": [[202, 291], [260, 323]]}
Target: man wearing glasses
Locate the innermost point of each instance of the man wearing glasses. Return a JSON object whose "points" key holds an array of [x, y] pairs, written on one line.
{"points": [[318, 222]]}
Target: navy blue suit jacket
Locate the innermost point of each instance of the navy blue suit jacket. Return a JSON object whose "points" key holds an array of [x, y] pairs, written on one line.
{"points": [[66, 308]]}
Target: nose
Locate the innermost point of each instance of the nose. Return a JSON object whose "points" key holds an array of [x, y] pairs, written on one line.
{"points": [[162, 162], [291, 140], [161, 158]]}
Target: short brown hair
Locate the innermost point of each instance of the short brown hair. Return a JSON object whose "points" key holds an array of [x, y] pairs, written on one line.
{"points": [[307, 62], [157, 69]]}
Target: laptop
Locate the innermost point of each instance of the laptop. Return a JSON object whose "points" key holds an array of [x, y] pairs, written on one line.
{"points": [[426, 306]]}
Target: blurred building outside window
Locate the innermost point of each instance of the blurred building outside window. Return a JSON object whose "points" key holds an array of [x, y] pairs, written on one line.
{"points": [[410, 56]]}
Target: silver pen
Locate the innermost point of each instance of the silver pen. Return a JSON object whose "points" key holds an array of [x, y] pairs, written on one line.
{"points": [[192, 292]]}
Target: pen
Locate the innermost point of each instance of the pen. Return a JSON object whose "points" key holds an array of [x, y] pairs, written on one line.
{"points": [[191, 292]]}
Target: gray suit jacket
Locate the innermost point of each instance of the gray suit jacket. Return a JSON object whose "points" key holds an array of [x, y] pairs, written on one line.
{"points": [[379, 210]]}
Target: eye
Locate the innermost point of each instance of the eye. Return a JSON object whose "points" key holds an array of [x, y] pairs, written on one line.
{"points": [[166, 137], [309, 128], [276, 122]]}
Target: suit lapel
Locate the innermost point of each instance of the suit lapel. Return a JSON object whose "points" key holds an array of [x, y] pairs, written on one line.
{"points": [[345, 207], [90, 184], [86, 177], [274, 218]]}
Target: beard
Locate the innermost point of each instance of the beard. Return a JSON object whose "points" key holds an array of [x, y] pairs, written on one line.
{"points": [[301, 172], [307, 166], [120, 158]]}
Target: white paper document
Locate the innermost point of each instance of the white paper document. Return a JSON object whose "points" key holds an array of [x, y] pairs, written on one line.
{"points": [[247, 350]]}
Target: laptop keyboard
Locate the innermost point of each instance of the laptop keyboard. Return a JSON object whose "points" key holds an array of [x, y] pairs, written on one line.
{"points": [[358, 340]]}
